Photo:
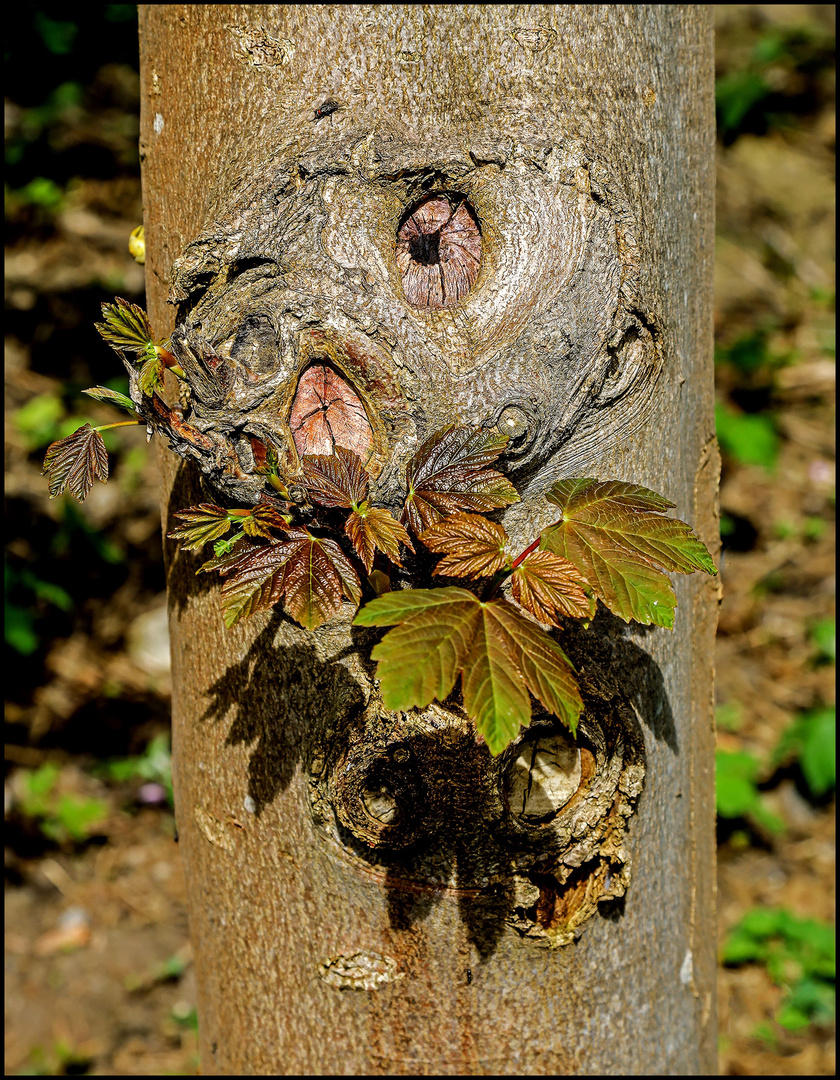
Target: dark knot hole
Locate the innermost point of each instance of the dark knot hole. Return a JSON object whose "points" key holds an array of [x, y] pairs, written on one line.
{"points": [[425, 248]]}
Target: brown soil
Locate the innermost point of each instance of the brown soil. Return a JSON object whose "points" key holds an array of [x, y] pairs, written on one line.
{"points": [[98, 972]]}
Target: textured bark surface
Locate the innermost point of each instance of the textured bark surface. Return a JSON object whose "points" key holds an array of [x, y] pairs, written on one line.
{"points": [[371, 894]]}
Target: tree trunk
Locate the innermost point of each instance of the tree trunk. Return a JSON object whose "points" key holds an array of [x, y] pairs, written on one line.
{"points": [[464, 938]]}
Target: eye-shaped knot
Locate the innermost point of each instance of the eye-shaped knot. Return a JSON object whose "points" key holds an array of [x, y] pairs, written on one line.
{"points": [[438, 251]]}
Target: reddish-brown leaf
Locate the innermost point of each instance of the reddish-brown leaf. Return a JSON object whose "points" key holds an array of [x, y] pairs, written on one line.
{"points": [[337, 479], [473, 546], [369, 528], [316, 575], [326, 413], [548, 586], [262, 519], [72, 463], [310, 574], [255, 577], [450, 473]]}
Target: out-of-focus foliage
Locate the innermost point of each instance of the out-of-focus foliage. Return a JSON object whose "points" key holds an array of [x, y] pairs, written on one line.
{"points": [[811, 741], [61, 816], [799, 955], [738, 796]]}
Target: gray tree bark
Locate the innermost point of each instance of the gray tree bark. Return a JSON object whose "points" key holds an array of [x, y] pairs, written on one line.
{"points": [[466, 938]]}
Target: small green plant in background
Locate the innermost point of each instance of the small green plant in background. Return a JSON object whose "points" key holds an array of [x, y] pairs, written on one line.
{"points": [[823, 635], [61, 1059], [20, 584], [765, 93], [749, 438], [799, 955], [60, 816], [737, 791], [811, 741], [154, 766]]}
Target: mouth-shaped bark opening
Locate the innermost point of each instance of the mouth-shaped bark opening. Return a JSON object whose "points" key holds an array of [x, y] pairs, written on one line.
{"points": [[438, 251], [327, 412]]}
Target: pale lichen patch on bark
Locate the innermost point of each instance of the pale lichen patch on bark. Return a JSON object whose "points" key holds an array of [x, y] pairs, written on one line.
{"points": [[362, 970]]}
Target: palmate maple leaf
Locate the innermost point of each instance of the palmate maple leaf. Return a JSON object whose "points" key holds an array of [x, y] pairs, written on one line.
{"points": [[310, 574], [615, 535], [545, 584], [450, 473], [340, 481], [499, 653]]}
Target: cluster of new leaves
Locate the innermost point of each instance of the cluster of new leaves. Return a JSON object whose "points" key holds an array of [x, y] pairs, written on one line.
{"points": [[610, 543], [126, 329], [315, 540], [73, 463], [303, 562]]}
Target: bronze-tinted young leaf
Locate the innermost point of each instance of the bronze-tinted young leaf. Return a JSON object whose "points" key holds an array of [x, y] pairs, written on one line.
{"points": [[102, 393], [316, 575], [450, 473], [473, 546], [631, 517], [616, 537], [255, 577], [201, 525], [310, 574], [498, 651], [72, 463], [126, 327], [369, 528], [549, 586], [151, 375], [264, 518], [337, 479]]}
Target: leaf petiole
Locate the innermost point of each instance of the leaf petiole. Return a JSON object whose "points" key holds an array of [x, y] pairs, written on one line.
{"points": [[122, 423], [500, 577]]}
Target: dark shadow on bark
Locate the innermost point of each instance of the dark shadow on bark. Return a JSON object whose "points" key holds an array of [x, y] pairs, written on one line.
{"points": [[610, 664], [271, 696]]}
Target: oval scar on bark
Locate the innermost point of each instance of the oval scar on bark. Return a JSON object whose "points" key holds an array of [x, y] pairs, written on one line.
{"points": [[438, 251], [327, 412]]}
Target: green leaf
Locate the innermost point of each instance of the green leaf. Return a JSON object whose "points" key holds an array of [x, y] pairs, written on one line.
{"points": [[819, 752], [499, 653], [151, 375], [750, 438], [113, 397], [615, 536], [630, 516], [449, 474], [737, 792], [126, 327], [201, 525], [812, 740], [74, 462], [799, 955]]}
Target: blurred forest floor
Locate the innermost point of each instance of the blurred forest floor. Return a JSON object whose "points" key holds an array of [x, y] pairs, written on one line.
{"points": [[98, 966]]}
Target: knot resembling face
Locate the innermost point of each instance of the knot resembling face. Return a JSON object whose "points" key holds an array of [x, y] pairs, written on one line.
{"points": [[371, 290], [417, 799], [365, 295]]}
